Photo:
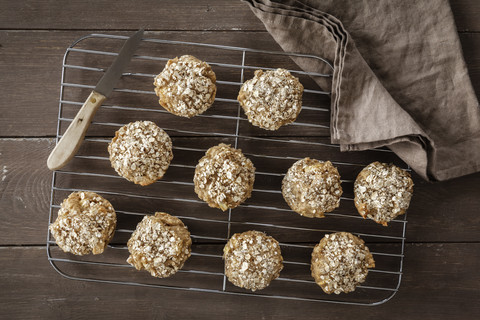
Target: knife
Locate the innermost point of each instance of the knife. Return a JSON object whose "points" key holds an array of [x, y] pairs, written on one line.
{"points": [[75, 133]]}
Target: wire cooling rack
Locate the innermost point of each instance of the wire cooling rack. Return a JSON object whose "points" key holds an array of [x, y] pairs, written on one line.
{"points": [[134, 99]]}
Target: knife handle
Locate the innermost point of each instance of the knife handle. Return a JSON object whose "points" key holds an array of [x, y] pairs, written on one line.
{"points": [[73, 137]]}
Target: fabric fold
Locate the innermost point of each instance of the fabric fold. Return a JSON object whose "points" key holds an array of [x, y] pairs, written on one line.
{"points": [[385, 85]]}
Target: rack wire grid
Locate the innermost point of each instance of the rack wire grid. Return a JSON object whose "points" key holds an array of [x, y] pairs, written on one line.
{"points": [[272, 154]]}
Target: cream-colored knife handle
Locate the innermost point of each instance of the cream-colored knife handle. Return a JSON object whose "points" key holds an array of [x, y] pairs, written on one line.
{"points": [[73, 137]]}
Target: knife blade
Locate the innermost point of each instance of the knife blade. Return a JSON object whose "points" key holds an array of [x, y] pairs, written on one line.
{"points": [[75, 133]]}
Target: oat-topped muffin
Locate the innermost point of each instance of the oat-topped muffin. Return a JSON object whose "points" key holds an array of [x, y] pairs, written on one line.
{"points": [[186, 86], [340, 262], [160, 245], [85, 223], [312, 187], [224, 177], [271, 99], [382, 192], [141, 152], [252, 260]]}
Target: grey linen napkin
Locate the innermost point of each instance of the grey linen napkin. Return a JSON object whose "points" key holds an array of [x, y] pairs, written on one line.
{"points": [[399, 77]]}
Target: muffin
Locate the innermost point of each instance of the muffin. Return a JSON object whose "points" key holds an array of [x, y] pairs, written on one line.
{"points": [[271, 99], [85, 223], [186, 86], [160, 245], [312, 187], [252, 260], [141, 152], [340, 262], [382, 192], [224, 177]]}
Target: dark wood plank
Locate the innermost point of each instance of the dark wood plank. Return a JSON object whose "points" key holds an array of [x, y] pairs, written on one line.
{"points": [[25, 185], [444, 211], [440, 282], [26, 57], [466, 14], [118, 270], [170, 15], [440, 279], [471, 51], [125, 15], [266, 190]]}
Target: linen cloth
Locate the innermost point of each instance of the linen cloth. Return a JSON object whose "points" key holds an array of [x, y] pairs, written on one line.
{"points": [[399, 77]]}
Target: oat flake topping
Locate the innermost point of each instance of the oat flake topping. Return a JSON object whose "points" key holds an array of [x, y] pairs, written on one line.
{"points": [[141, 152], [160, 244], [186, 86], [382, 192], [85, 224], [271, 99], [340, 262], [312, 187], [224, 177], [252, 260]]}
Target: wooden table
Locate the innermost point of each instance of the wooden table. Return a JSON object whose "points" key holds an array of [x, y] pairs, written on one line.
{"points": [[442, 258]]}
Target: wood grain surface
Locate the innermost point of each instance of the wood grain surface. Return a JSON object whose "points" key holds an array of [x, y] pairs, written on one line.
{"points": [[442, 254], [35, 57], [169, 15], [439, 212], [439, 283]]}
